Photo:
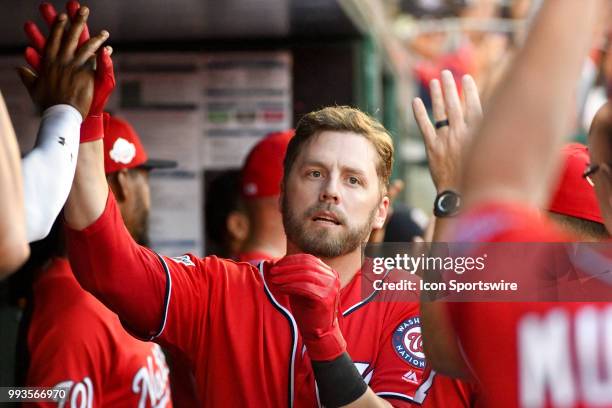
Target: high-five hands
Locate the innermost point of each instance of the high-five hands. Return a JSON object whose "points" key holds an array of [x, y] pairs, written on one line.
{"points": [[104, 79], [446, 138], [314, 295]]}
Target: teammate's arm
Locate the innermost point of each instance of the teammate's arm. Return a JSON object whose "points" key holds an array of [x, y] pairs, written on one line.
{"points": [[49, 168], [445, 147], [61, 83], [528, 114], [104, 257], [14, 249]]}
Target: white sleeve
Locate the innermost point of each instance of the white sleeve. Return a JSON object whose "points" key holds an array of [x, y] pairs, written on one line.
{"points": [[48, 170]]}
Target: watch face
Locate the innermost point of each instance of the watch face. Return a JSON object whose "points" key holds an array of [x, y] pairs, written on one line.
{"points": [[449, 202]]}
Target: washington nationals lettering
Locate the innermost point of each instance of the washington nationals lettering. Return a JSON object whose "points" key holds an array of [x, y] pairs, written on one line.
{"points": [[150, 382], [77, 394], [408, 342], [566, 358]]}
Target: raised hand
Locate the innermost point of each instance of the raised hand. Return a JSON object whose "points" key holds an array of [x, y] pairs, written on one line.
{"points": [[446, 138], [65, 76], [314, 295], [33, 53], [104, 82]]}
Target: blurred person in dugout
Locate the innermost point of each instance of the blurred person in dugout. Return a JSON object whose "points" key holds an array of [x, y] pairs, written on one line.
{"points": [[226, 220], [72, 339], [574, 204], [262, 174], [462, 50]]}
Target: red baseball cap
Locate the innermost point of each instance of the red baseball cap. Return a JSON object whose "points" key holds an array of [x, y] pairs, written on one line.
{"points": [[262, 172], [575, 196], [123, 148]]}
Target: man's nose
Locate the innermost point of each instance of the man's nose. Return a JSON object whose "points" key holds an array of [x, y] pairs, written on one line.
{"points": [[330, 192]]}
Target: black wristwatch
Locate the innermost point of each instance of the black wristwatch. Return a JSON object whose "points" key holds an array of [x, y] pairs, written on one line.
{"points": [[447, 204]]}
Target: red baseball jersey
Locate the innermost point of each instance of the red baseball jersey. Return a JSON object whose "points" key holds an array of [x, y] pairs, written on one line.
{"points": [[75, 342], [246, 344], [253, 256], [447, 392], [238, 331], [532, 354]]}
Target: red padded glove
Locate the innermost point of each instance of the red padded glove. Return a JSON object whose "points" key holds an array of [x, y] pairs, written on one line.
{"points": [[92, 127], [314, 296]]}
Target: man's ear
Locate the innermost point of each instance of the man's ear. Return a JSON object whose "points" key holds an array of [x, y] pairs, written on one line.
{"points": [[120, 184], [237, 225], [381, 213]]}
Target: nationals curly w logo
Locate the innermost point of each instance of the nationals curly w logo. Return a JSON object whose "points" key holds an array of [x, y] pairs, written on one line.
{"points": [[407, 342], [415, 342]]}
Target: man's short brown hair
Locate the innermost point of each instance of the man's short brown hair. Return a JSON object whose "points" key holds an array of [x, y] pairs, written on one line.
{"points": [[343, 119]]}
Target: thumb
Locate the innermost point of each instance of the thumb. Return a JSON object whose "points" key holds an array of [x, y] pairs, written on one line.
{"points": [[104, 64], [28, 78]]}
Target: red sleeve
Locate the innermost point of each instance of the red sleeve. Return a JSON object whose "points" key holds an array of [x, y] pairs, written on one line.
{"points": [[400, 374], [78, 360], [187, 308], [129, 279], [156, 297]]}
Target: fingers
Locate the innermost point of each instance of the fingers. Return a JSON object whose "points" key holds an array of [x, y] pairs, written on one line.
{"points": [[48, 13], [105, 64], [437, 100], [304, 290], [55, 39], [308, 267], [90, 48], [36, 38], [304, 276], [33, 58], [72, 7], [74, 32], [299, 282], [422, 118], [452, 102], [473, 107], [27, 77]]}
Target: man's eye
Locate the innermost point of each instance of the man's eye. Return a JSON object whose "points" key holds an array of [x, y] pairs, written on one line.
{"points": [[315, 173], [353, 180]]}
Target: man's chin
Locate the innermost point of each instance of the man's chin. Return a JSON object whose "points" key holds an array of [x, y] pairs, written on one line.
{"points": [[323, 246]]}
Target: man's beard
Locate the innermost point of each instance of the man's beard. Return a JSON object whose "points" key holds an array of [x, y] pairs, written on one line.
{"points": [[323, 242]]}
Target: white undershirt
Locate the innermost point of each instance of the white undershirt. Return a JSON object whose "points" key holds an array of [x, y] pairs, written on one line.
{"points": [[48, 170]]}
